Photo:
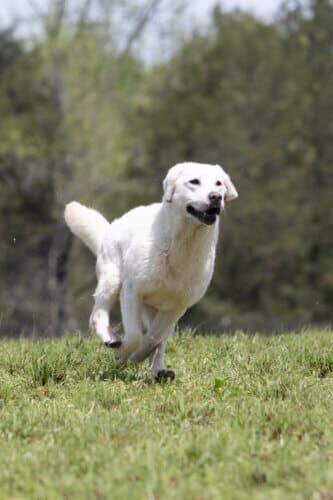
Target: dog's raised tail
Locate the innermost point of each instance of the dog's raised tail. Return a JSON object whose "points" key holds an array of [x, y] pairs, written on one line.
{"points": [[86, 223]]}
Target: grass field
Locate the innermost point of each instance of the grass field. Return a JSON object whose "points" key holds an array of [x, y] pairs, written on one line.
{"points": [[247, 417]]}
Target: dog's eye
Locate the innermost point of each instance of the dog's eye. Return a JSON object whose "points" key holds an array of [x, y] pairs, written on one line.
{"points": [[219, 183], [195, 181]]}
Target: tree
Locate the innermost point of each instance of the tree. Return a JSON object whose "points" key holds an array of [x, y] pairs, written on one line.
{"points": [[62, 103]]}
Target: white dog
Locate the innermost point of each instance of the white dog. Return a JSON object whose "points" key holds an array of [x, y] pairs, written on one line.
{"points": [[158, 259]]}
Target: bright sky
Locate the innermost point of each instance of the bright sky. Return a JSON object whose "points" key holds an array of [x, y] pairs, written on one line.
{"points": [[156, 42], [263, 8], [198, 8]]}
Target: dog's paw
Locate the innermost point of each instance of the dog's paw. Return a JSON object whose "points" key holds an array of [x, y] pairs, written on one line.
{"points": [[164, 375], [113, 344], [114, 341]]}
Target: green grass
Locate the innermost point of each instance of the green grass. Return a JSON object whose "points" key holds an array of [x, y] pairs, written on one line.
{"points": [[247, 417]]}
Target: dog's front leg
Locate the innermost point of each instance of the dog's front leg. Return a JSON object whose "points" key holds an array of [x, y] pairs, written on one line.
{"points": [[156, 360]]}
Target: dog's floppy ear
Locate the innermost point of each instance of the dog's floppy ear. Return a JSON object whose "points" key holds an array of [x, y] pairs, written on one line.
{"points": [[169, 184], [231, 193]]}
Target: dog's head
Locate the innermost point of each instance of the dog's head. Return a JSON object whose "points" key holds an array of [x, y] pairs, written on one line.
{"points": [[199, 189]]}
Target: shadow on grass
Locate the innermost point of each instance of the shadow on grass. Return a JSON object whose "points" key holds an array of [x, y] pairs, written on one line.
{"points": [[57, 368], [128, 374], [70, 359]]}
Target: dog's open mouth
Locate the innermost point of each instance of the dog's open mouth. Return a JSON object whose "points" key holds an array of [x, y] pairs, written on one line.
{"points": [[207, 217]]}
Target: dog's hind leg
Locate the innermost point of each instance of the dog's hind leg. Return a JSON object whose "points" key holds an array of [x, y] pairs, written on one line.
{"points": [[105, 296], [157, 332], [131, 312]]}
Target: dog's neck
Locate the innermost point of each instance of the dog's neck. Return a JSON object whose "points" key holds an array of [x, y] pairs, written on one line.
{"points": [[184, 235]]}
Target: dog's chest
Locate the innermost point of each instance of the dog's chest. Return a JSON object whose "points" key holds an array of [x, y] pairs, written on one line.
{"points": [[177, 281]]}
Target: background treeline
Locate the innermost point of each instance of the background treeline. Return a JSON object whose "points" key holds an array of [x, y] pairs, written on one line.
{"points": [[84, 117]]}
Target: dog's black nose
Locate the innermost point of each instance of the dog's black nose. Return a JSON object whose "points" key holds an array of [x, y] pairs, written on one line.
{"points": [[214, 196]]}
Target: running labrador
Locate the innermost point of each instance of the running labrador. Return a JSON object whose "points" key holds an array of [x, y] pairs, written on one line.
{"points": [[158, 259]]}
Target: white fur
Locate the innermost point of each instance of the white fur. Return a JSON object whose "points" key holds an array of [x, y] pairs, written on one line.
{"points": [[87, 224], [158, 259]]}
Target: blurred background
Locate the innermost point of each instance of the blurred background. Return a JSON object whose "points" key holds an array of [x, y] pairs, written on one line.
{"points": [[98, 98]]}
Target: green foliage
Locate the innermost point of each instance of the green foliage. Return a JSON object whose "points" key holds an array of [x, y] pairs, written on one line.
{"points": [[247, 417], [62, 134]]}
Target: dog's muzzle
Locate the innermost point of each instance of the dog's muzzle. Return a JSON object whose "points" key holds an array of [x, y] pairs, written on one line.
{"points": [[207, 216]]}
